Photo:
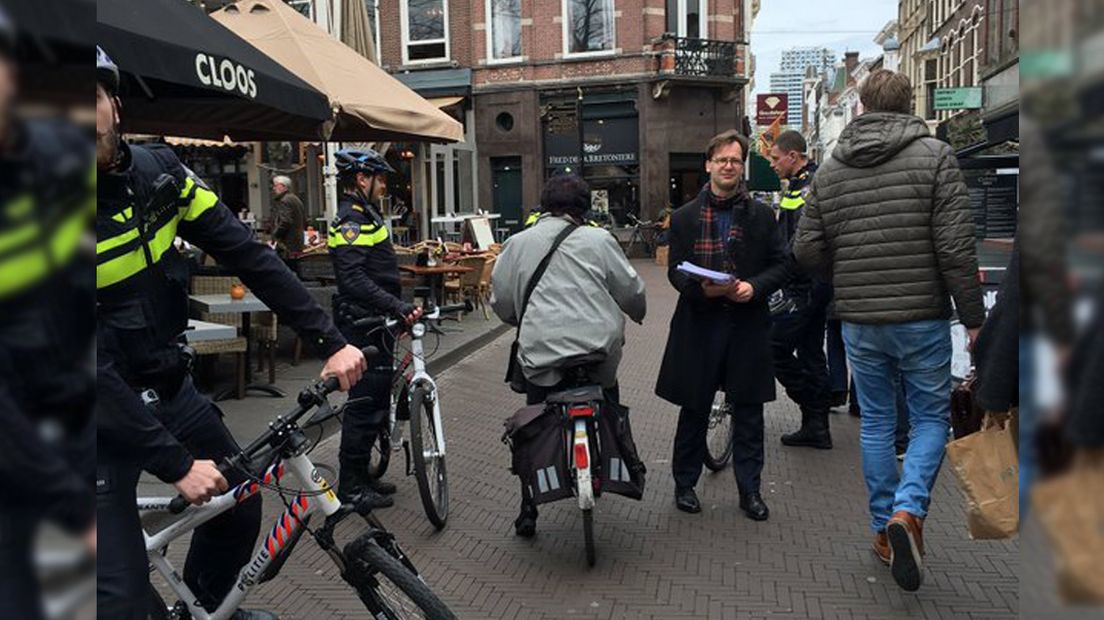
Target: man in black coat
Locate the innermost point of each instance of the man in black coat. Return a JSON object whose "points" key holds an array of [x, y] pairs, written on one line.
{"points": [[719, 337]]}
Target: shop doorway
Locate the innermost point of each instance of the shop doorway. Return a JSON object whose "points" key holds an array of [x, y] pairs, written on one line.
{"points": [[688, 176]]}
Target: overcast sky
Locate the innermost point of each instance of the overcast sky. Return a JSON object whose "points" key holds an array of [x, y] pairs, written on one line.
{"points": [[839, 25]]}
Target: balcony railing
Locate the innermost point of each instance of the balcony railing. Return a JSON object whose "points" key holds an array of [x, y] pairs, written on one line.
{"points": [[696, 57]]}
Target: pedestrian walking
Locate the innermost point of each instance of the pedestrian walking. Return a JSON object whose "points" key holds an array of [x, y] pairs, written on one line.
{"points": [[719, 333], [889, 217], [289, 222]]}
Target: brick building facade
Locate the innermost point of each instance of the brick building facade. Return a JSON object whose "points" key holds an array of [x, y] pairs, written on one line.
{"points": [[652, 79]]}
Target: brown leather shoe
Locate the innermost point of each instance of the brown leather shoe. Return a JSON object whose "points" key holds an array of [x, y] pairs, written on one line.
{"points": [[881, 548], [906, 542]]}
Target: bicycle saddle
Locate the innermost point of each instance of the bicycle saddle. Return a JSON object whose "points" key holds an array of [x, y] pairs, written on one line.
{"points": [[585, 394]]}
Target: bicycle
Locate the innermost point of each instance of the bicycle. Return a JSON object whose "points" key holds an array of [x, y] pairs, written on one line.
{"points": [[718, 439], [580, 408], [645, 232], [414, 400], [373, 564]]}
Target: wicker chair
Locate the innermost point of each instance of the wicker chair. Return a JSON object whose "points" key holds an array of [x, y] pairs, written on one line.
{"points": [[468, 285], [207, 285]]}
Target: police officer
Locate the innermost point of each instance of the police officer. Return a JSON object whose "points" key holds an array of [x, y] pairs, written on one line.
{"points": [[367, 271], [799, 310], [47, 431], [145, 198]]}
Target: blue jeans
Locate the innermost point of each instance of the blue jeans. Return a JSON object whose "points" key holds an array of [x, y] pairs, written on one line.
{"points": [[921, 352], [1028, 421]]}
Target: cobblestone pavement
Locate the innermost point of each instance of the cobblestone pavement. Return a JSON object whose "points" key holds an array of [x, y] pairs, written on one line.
{"points": [[810, 560]]}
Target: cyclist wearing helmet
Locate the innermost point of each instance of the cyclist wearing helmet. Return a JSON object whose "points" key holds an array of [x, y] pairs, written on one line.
{"points": [[367, 273], [46, 337], [145, 198]]}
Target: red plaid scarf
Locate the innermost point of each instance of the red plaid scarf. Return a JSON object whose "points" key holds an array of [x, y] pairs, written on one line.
{"points": [[710, 249]]}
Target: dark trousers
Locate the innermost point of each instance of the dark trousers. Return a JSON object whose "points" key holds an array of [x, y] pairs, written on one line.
{"points": [[797, 344], [362, 421], [219, 548], [536, 394], [747, 446], [837, 357]]}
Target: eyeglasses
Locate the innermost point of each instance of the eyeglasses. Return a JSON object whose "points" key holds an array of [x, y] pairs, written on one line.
{"points": [[728, 161]]}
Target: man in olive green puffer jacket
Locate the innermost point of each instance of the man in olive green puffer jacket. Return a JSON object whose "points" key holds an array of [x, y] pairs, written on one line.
{"points": [[889, 218]]}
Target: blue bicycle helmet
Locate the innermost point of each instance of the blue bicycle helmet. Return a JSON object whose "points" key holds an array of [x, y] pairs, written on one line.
{"points": [[351, 161], [106, 71]]}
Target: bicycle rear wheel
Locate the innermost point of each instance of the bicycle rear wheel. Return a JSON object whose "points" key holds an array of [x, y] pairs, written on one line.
{"points": [[718, 439], [588, 537], [429, 462], [387, 587]]}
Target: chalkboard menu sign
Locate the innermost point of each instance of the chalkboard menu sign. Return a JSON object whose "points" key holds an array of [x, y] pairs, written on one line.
{"points": [[994, 199]]}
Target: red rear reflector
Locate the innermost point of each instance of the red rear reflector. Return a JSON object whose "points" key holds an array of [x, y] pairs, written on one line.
{"points": [[581, 457], [581, 412]]}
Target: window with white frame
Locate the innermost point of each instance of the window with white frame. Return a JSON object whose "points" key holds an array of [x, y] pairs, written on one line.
{"points": [[588, 26], [688, 18], [503, 29], [425, 30]]}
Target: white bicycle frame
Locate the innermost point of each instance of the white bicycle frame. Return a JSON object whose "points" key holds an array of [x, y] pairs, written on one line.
{"points": [[316, 495], [419, 376]]}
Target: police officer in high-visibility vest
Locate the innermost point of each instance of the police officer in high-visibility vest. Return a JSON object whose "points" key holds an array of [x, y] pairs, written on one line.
{"points": [[145, 199], [47, 335], [367, 271], [799, 309]]}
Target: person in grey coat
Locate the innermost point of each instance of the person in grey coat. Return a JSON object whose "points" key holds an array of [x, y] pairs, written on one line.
{"points": [[576, 313], [889, 218]]}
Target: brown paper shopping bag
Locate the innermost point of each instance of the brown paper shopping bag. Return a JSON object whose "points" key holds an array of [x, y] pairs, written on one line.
{"points": [[988, 472], [1070, 507]]}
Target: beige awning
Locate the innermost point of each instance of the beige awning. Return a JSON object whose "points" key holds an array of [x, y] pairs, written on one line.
{"points": [[371, 105], [445, 102]]}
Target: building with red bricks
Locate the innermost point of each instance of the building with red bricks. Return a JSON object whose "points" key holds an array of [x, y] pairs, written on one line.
{"points": [[653, 81]]}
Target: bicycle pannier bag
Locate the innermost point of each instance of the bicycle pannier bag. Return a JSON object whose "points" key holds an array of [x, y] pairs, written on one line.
{"points": [[622, 471], [536, 438]]}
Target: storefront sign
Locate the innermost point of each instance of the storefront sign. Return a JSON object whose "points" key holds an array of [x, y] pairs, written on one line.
{"points": [[227, 75], [606, 142], [968, 98], [771, 107]]}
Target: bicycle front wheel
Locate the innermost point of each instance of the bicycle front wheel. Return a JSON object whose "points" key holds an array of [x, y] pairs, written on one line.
{"points": [[429, 461], [387, 587], [718, 439]]}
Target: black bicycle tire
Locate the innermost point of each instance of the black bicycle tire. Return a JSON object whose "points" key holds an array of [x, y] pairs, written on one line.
{"points": [[588, 537], [377, 464], [718, 462], [365, 554], [436, 508]]}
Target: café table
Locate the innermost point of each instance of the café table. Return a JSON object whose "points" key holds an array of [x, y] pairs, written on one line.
{"points": [[206, 331], [435, 276], [222, 303]]}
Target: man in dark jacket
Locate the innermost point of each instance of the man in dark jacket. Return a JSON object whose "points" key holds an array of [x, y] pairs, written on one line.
{"points": [[799, 310], [889, 217], [289, 221], [719, 333]]}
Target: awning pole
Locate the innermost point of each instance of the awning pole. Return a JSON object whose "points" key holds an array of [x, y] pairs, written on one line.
{"points": [[329, 172]]}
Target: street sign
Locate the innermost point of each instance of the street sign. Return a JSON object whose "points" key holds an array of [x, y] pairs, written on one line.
{"points": [[770, 107], [968, 98]]}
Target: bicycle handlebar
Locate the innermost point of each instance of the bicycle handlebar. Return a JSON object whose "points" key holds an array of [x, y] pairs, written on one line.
{"points": [[432, 314], [309, 398]]}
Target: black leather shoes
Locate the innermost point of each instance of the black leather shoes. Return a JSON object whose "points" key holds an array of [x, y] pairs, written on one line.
{"points": [[754, 507], [686, 500], [526, 523], [808, 437]]}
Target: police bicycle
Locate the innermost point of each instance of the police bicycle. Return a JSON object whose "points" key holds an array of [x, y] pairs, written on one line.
{"points": [[414, 404], [373, 564]]}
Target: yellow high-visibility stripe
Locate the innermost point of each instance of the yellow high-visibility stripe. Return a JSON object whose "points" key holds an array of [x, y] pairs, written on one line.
{"points": [[120, 268], [792, 201], [23, 234], [116, 241], [369, 236], [202, 201], [124, 215], [29, 267]]}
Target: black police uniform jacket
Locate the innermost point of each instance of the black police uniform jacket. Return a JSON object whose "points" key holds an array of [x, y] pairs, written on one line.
{"points": [[364, 259], [142, 294]]}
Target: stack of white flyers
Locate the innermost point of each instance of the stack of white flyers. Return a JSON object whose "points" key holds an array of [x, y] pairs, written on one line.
{"points": [[701, 273]]}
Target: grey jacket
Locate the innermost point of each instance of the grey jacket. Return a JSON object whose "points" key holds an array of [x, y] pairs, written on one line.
{"points": [[576, 309], [889, 218]]}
